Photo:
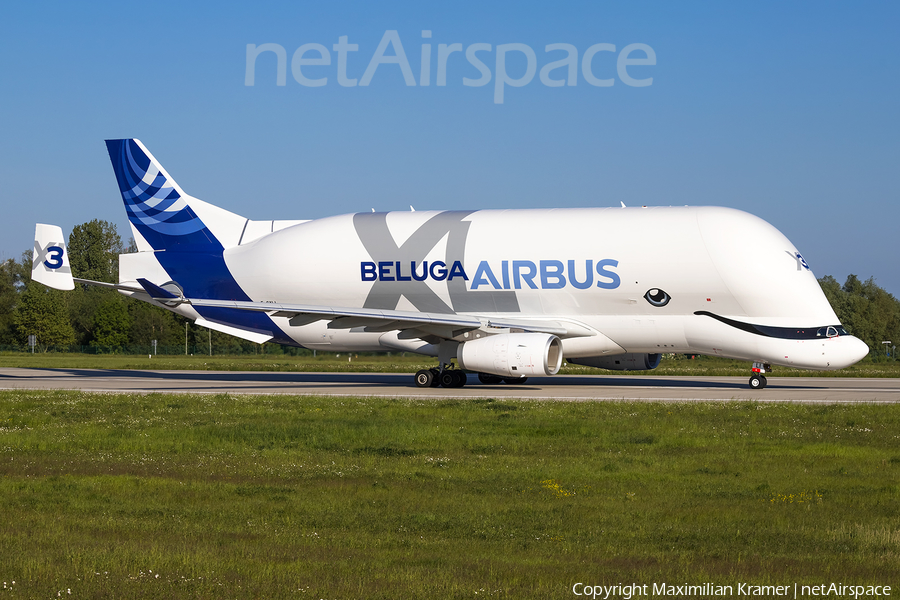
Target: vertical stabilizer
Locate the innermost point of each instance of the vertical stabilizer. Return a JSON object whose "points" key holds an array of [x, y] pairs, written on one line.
{"points": [[50, 261], [182, 240], [160, 212]]}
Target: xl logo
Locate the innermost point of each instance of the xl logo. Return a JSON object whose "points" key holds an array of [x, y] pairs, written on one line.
{"points": [[801, 262], [391, 260], [51, 256]]}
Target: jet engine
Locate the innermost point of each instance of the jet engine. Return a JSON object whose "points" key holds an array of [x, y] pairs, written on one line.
{"points": [[512, 354], [620, 362]]}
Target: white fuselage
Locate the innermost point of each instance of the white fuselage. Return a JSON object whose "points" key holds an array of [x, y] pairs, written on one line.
{"points": [[588, 269]]}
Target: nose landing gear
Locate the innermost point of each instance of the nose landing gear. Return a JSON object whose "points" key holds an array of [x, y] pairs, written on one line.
{"points": [[758, 379]]}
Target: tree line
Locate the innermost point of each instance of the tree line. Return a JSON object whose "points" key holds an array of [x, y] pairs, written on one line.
{"points": [[103, 320], [92, 318]]}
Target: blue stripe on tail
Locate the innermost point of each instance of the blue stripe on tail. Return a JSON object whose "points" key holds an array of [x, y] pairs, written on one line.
{"points": [[154, 205], [185, 247]]}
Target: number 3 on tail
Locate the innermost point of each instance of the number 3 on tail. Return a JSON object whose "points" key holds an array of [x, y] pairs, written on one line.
{"points": [[54, 257]]}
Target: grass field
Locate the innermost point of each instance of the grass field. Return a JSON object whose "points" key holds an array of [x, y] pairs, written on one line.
{"points": [[702, 366], [199, 496]]}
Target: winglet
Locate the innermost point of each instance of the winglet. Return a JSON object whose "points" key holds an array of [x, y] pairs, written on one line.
{"points": [[50, 260]]}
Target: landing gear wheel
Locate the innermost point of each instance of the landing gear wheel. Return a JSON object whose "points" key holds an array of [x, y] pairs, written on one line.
{"points": [[488, 379], [452, 378], [424, 378], [757, 382], [447, 378], [461, 378], [515, 380]]}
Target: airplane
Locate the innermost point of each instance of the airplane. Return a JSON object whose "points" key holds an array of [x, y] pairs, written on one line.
{"points": [[507, 293]]}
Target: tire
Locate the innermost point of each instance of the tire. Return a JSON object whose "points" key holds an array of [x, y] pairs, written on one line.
{"points": [[515, 380], [448, 379], [435, 377], [757, 382], [453, 378], [424, 378], [488, 379], [461, 379]]}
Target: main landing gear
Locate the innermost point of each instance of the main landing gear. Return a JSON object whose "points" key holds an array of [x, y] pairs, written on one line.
{"points": [[758, 379], [456, 378], [434, 377]]}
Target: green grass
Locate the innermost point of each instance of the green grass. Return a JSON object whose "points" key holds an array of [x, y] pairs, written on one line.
{"points": [[199, 496], [702, 366]]}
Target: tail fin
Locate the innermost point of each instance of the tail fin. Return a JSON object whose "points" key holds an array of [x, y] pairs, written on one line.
{"points": [[50, 261], [162, 216]]}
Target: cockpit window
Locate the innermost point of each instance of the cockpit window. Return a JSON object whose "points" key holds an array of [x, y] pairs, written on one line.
{"points": [[831, 331]]}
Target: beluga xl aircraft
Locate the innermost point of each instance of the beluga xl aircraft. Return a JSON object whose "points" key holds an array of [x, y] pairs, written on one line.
{"points": [[507, 293]]}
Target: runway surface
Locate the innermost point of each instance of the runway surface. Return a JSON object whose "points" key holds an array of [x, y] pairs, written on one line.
{"points": [[561, 387]]}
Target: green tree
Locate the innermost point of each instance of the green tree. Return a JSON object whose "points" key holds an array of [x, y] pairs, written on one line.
{"points": [[13, 276], [865, 309], [94, 249], [43, 312], [150, 322], [222, 343], [834, 294], [111, 324], [83, 304]]}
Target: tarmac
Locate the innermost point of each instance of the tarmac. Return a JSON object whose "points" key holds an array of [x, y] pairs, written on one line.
{"points": [[399, 385]]}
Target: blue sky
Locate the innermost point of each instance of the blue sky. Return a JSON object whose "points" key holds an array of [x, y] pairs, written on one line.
{"points": [[785, 110]]}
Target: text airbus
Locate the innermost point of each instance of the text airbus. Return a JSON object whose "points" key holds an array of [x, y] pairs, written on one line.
{"points": [[550, 274]]}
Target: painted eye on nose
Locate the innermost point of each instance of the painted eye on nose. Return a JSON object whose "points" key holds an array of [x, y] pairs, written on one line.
{"points": [[657, 297]]}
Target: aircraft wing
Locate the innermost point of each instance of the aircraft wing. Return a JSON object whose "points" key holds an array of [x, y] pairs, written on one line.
{"points": [[415, 324], [341, 317], [441, 325]]}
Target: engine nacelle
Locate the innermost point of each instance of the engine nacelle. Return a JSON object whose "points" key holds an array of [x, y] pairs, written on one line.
{"points": [[620, 362], [512, 354]]}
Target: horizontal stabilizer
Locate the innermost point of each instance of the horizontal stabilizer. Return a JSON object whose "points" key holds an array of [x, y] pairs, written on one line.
{"points": [[113, 286], [156, 292]]}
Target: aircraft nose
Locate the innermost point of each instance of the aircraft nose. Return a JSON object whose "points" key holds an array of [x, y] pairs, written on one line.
{"points": [[856, 349], [847, 351]]}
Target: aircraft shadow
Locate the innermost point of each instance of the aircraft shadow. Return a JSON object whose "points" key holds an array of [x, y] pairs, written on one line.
{"points": [[274, 379]]}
